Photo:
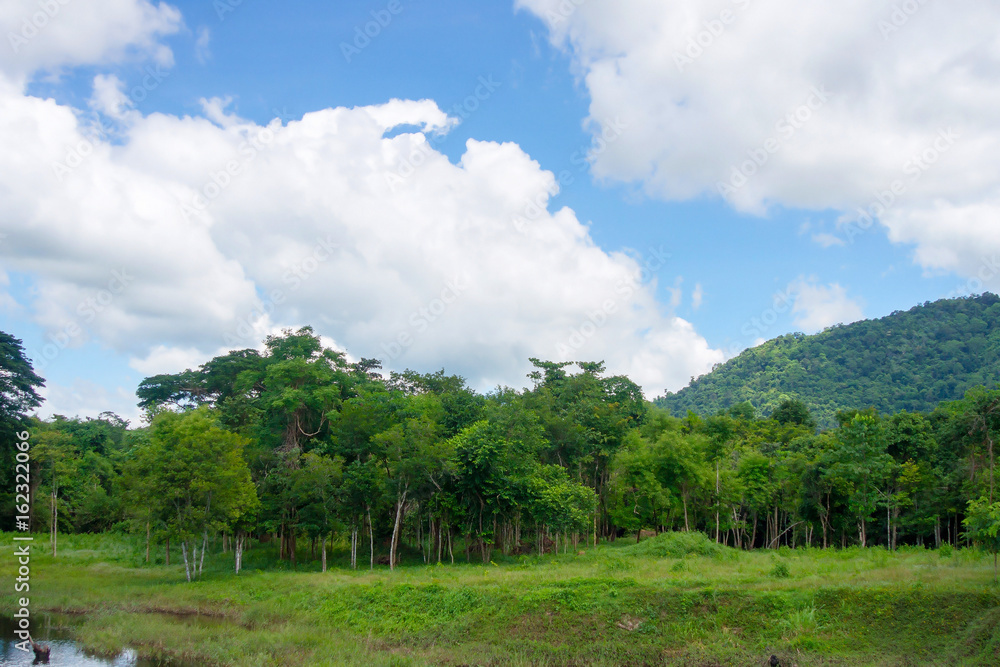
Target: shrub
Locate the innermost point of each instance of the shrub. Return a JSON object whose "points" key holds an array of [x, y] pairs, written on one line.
{"points": [[679, 545], [780, 571]]}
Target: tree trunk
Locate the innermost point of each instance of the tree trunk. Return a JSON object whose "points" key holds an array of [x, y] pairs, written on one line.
{"points": [[324, 553], [168, 550], [371, 535], [204, 547], [420, 536], [393, 545], [716, 502], [147, 542], [687, 526], [440, 527], [775, 525], [238, 551], [187, 569], [54, 532]]}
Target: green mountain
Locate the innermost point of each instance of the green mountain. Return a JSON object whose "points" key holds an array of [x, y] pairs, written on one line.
{"points": [[909, 360]]}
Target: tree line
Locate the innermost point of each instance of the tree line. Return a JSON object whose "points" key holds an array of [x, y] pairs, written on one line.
{"points": [[294, 444]]}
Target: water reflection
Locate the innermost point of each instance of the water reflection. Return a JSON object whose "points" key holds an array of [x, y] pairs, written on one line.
{"points": [[55, 631]]}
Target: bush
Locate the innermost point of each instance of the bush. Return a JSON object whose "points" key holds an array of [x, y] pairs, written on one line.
{"points": [[780, 571], [945, 550], [679, 545]]}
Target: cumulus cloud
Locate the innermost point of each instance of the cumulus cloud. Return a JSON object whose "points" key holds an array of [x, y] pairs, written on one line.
{"points": [[883, 111], [55, 34], [187, 236], [817, 307]]}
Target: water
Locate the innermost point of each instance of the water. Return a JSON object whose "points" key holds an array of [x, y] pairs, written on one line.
{"points": [[55, 631]]}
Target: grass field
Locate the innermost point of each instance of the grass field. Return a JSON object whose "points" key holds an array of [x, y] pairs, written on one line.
{"points": [[677, 599]]}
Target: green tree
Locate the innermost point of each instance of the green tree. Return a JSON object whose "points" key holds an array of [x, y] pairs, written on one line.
{"points": [[18, 384], [683, 468], [195, 473], [862, 466], [794, 411], [637, 499], [982, 522], [316, 486], [18, 396]]}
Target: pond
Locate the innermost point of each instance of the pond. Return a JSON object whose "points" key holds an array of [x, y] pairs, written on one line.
{"points": [[56, 631]]}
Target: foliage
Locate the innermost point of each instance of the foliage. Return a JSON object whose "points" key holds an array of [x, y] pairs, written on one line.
{"points": [[18, 384], [18, 396], [326, 450], [909, 361], [193, 478], [982, 522]]}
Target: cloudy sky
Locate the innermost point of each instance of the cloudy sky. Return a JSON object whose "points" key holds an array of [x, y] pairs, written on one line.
{"points": [[464, 184]]}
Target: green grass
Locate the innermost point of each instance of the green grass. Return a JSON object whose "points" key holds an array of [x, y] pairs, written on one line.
{"points": [[675, 599]]}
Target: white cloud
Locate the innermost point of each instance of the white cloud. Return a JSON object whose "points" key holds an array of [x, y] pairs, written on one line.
{"points": [[215, 110], [828, 240], [87, 399], [901, 94], [187, 236], [676, 292], [165, 359], [697, 297], [109, 97], [201, 46], [48, 36], [820, 306]]}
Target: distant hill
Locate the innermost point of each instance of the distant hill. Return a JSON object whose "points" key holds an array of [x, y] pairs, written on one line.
{"points": [[909, 360]]}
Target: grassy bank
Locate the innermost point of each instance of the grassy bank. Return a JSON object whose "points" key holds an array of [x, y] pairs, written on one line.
{"points": [[671, 600]]}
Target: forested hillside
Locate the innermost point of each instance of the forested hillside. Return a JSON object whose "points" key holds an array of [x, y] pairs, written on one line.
{"points": [[909, 360]]}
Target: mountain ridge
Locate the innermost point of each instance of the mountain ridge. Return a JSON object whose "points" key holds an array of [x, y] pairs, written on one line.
{"points": [[908, 360]]}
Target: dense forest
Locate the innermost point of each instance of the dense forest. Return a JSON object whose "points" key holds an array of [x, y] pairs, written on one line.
{"points": [[296, 445], [909, 360]]}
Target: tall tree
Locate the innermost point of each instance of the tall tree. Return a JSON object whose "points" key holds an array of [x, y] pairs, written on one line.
{"points": [[18, 397], [195, 473], [18, 384], [862, 466]]}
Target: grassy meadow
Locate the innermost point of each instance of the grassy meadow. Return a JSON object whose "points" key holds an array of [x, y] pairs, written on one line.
{"points": [[678, 599]]}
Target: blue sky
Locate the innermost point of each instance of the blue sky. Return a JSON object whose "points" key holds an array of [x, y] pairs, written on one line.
{"points": [[555, 73]]}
